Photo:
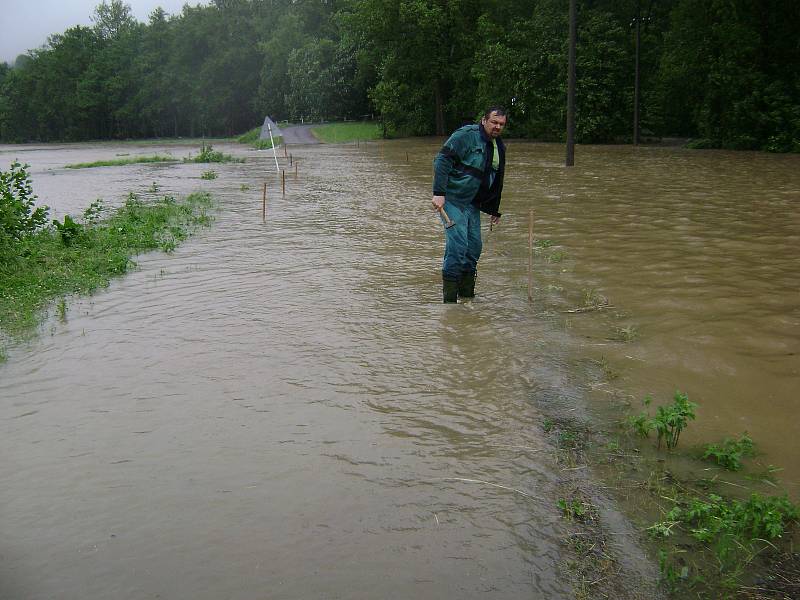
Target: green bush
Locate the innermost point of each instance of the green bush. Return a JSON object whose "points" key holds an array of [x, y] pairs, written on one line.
{"points": [[18, 216]]}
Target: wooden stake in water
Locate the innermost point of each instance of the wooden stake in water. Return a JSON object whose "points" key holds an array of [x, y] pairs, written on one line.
{"points": [[295, 171], [284, 151], [264, 203], [283, 181], [530, 257], [290, 160]]}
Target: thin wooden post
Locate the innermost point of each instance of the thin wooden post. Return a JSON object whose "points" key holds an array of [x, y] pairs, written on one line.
{"points": [[283, 181], [284, 151], [264, 203], [530, 257], [295, 171], [291, 159]]}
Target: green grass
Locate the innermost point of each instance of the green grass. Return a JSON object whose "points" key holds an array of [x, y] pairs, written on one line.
{"points": [[252, 138], [336, 133], [122, 161], [267, 144], [45, 267]]}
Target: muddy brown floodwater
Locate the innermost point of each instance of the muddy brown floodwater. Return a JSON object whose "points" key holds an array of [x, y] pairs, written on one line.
{"points": [[284, 409]]}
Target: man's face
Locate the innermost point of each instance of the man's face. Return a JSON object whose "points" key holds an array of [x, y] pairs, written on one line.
{"points": [[493, 124]]}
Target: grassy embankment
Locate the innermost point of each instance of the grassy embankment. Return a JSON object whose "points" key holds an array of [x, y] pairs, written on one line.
{"points": [[338, 133], [41, 264], [251, 137], [331, 133]]}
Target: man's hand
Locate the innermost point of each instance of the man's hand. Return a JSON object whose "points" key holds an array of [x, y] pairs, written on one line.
{"points": [[438, 202], [495, 219]]}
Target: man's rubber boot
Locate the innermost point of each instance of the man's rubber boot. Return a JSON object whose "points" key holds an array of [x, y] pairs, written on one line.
{"points": [[449, 290], [466, 287]]}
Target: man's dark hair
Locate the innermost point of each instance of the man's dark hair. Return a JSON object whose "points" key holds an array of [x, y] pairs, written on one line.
{"points": [[499, 110]]}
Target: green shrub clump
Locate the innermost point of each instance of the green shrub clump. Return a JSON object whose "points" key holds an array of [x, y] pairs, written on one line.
{"points": [[19, 217], [669, 421], [730, 452], [209, 155]]}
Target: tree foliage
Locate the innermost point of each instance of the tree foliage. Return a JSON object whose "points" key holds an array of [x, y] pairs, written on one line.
{"points": [[723, 71], [19, 217]]}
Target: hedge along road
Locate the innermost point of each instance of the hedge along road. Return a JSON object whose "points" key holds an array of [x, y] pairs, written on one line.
{"points": [[285, 409]]}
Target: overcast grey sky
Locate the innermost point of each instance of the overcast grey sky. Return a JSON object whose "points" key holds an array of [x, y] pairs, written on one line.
{"points": [[25, 24]]}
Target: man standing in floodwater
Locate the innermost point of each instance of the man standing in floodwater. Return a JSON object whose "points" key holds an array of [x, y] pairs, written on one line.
{"points": [[468, 179]]}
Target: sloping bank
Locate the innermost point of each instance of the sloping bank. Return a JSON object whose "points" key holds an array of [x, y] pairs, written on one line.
{"points": [[43, 262]]}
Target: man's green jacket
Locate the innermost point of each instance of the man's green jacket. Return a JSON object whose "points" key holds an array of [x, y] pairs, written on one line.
{"points": [[462, 169]]}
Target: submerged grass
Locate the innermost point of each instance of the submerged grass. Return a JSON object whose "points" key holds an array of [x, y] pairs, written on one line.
{"points": [[122, 161], [54, 263], [336, 133], [713, 537]]}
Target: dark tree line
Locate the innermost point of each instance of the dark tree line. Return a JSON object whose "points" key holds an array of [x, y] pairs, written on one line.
{"points": [[724, 71]]}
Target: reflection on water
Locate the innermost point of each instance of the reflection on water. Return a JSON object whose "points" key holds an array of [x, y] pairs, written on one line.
{"points": [[285, 409]]}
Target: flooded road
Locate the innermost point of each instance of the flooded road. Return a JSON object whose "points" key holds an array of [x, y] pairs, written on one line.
{"points": [[285, 409]]}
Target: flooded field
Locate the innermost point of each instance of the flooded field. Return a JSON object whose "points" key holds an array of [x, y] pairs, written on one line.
{"points": [[285, 409]]}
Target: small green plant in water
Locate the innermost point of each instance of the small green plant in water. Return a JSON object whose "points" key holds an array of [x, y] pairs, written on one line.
{"points": [[543, 243], [573, 510], [626, 334], [730, 452], [557, 256], [670, 420], [209, 175], [61, 310], [593, 299]]}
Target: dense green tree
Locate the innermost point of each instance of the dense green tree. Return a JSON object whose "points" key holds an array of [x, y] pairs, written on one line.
{"points": [[729, 73], [285, 36], [723, 70]]}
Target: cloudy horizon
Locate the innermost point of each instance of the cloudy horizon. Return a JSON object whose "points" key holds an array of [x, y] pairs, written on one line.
{"points": [[27, 25]]}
